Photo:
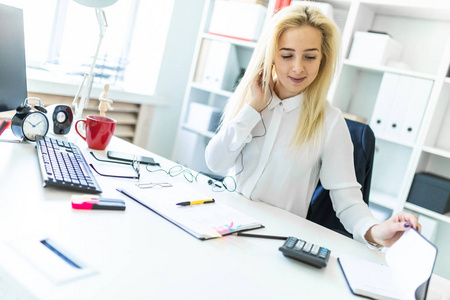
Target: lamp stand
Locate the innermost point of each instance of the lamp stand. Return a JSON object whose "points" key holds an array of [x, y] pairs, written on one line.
{"points": [[81, 100]]}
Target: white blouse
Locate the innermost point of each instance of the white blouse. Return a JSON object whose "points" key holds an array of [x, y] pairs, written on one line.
{"points": [[270, 170]]}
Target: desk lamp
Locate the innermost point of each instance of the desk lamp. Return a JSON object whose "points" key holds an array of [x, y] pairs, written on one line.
{"points": [[81, 99]]}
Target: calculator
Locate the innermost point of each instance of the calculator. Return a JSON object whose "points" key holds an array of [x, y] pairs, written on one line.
{"points": [[306, 252]]}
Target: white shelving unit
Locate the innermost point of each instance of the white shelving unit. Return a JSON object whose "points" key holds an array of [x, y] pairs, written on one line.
{"points": [[191, 142], [423, 29]]}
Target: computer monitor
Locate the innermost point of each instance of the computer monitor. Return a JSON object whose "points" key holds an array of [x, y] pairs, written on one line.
{"points": [[13, 79]]}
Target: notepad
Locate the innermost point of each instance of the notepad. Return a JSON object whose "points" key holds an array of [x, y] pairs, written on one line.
{"points": [[203, 221], [409, 265]]}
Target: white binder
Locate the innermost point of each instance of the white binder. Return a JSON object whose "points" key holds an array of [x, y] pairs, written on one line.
{"points": [[384, 102], [397, 112], [222, 66], [421, 90]]}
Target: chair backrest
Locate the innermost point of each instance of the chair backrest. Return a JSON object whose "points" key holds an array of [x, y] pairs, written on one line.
{"points": [[321, 209]]}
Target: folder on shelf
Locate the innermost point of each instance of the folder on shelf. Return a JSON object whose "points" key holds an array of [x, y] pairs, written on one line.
{"points": [[401, 100], [203, 117], [203, 221], [406, 275], [221, 67], [420, 92], [383, 103], [201, 61]]}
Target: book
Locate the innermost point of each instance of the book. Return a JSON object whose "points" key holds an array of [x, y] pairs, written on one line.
{"points": [[406, 274], [203, 221]]}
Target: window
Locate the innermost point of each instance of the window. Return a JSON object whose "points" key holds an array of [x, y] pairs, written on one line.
{"points": [[61, 38]]}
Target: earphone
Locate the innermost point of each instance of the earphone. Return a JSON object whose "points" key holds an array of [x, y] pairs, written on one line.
{"points": [[222, 186], [211, 182], [258, 136]]}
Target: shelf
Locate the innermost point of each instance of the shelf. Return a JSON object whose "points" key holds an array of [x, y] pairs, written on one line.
{"points": [[202, 87], [230, 40], [394, 141], [382, 69], [205, 133], [427, 212], [383, 199], [437, 151], [435, 12]]}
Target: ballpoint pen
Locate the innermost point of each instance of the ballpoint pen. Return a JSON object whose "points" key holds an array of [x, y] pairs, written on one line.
{"points": [[186, 203]]}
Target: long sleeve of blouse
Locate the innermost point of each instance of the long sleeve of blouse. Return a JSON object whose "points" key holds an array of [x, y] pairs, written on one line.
{"points": [[257, 148]]}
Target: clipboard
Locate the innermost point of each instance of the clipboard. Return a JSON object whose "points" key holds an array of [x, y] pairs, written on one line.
{"points": [[204, 221]]}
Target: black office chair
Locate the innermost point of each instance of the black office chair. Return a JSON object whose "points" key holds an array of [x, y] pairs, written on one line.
{"points": [[321, 209]]}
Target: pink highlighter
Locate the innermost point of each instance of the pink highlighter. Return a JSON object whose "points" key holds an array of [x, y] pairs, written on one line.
{"points": [[88, 202]]}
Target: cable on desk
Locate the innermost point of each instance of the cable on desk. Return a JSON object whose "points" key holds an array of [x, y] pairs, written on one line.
{"points": [[218, 186], [177, 170]]}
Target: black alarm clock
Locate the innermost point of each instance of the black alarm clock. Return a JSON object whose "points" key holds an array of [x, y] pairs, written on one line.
{"points": [[30, 122]]}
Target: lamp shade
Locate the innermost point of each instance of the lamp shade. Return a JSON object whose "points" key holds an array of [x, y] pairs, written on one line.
{"points": [[96, 3]]}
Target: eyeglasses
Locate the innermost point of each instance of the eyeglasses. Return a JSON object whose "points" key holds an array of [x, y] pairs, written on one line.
{"points": [[134, 164], [150, 185]]}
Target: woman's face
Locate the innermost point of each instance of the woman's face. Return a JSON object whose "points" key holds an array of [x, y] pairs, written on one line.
{"points": [[297, 60]]}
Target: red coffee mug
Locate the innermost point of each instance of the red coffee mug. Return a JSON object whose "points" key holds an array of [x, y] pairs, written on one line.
{"points": [[99, 131]]}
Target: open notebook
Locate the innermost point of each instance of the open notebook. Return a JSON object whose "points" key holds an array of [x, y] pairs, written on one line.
{"points": [[204, 221], [406, 275]]}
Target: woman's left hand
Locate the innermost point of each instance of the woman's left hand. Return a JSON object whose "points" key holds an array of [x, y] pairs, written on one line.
{"points": [[388, 232]]}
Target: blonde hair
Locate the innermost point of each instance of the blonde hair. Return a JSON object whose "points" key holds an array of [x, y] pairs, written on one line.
{"points": [[312, 116]]}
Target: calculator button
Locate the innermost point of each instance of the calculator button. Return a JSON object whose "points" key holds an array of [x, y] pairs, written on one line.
{"points": [[315, 250], [323, 252], [299, 245], [307, 247], [291, 242]]}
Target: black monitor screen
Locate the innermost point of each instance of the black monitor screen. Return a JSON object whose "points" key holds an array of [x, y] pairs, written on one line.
{"points": [[13, 80]]}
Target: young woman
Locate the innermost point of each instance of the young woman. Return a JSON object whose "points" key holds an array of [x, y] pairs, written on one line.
{"points": [[281, 135]]}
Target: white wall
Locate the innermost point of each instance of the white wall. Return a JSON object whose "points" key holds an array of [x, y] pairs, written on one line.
{"points": [[174, 74]]}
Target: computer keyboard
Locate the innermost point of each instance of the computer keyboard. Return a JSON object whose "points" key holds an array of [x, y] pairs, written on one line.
{"points": [[63, 165]]}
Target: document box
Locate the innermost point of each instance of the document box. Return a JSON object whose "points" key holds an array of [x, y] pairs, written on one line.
{"points": [[374, 48], [203, 117], [430, 191], [237, 19]]}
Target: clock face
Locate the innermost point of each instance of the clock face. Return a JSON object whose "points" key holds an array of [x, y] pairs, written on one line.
{"points": [[35, 124]]}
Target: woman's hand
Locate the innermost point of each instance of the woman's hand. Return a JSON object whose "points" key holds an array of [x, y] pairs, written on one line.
{"points": [[388, 232], [258, 100]]}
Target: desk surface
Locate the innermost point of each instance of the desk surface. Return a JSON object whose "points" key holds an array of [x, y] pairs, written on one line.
{"points": [[140, 255]]}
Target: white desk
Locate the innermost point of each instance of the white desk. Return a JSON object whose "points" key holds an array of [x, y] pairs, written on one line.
{"points": [[140, 255]]}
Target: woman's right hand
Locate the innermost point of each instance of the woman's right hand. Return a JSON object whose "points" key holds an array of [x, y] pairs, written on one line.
{"points": [[258, 100]]}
